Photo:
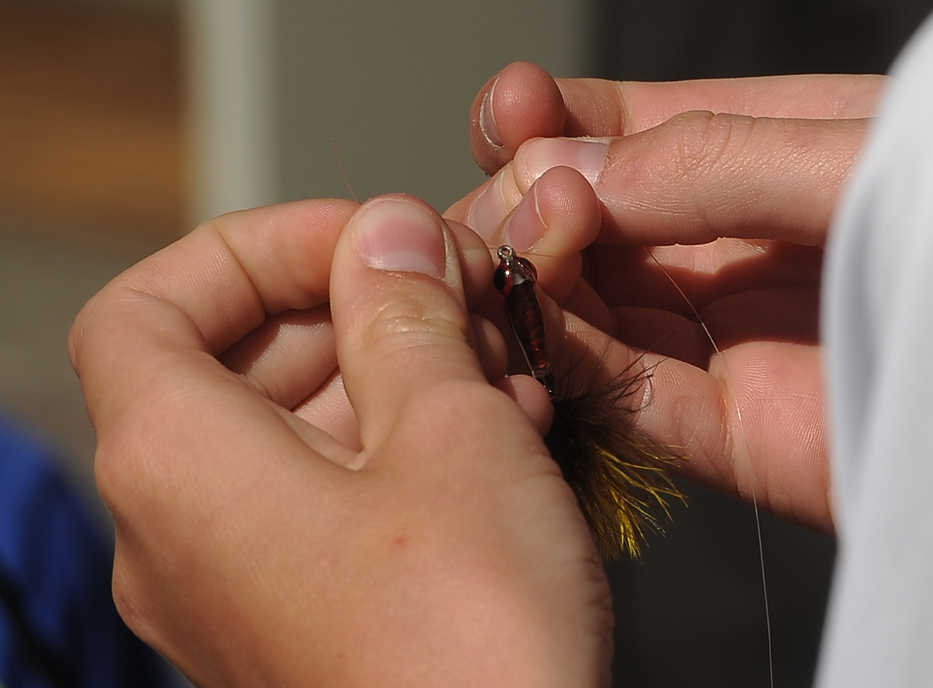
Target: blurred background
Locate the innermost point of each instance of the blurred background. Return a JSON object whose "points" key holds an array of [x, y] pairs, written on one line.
{"points": [[124, 123]]}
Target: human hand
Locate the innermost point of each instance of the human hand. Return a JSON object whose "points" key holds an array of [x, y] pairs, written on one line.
{"points": [[264, 536], [735, 208]]}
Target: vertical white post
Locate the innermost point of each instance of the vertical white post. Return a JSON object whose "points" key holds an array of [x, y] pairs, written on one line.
{"points": [[293, 99], [232, 102]]}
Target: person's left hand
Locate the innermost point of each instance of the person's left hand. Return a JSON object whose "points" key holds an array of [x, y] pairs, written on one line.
{"points": [[264, 536], [672, 229]]}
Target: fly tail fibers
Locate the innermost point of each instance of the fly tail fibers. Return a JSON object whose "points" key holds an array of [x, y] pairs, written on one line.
{"points": [[619, 475]]}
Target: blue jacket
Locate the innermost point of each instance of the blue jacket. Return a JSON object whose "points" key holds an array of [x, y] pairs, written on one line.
{"points": [[58, 623]]}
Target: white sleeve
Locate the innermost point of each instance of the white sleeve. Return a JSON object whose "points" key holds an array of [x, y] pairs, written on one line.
{"points": [[878, 335]]}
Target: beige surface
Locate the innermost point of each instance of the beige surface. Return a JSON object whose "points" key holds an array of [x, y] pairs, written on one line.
{"points": [[45, 277], [92, 139], [297, 99], [90, 116], [90, 181]]}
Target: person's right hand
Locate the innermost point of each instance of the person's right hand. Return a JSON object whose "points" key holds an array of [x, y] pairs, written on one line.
{"points": [[734, 206], [395, 521]]}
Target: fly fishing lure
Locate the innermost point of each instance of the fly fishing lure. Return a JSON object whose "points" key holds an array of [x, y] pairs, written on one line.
{"points": [[618, 474]]}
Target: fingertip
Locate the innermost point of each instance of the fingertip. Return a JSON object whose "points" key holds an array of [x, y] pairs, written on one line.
{"points": [[527, 104], [559, 215], [395, 243], [522, 101], [588, 156], [489, 206], [566, 194], [476, 266], [490, 347], [532, 398], [558, 218], [398, 308]]}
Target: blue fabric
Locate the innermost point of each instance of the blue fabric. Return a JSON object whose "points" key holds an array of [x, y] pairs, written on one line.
{"points": [[58, 624]]}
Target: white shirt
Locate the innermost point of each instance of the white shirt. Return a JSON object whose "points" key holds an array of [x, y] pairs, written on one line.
{"points": [[878, 334]]}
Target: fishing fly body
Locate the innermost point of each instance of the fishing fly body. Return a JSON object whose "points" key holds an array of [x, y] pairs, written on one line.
{"points": [[617, 473], [515, 279]]}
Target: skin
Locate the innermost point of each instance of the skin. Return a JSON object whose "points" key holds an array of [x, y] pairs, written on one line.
{"points": [[746, 196], [314, 482], [270, 534]]}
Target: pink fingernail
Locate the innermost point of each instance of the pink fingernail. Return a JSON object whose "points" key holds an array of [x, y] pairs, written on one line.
{"points": [[488, 210], [526, 225], [487, 118], [587, 156], [395, 234]]}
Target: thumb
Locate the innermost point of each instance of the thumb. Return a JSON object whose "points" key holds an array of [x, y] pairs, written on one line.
{"points": [[398, 309], [695, 178]]}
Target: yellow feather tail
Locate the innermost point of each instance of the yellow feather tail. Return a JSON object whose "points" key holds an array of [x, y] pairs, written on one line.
{"points": [[620, 476]]}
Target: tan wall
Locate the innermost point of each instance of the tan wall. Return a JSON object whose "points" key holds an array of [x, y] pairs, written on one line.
{"points": [[368, 96]]}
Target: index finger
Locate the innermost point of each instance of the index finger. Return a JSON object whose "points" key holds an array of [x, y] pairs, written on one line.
{"points": [[748, 422], [523, 101], [200, 295], [695, 178]]}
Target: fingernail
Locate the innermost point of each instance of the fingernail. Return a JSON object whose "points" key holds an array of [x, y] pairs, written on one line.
{"points": [[526, 225], [586, 156], [488, 210], [487, 118], [401, 235]]}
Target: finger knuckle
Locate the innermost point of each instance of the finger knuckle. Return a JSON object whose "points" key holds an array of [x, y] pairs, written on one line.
{"points": [[702, 143], [407, 321], [507, 184], [130, 600], [84, 322], [707, 426], [524, 170], [853, 97], [126, 595], [115, 470], [108, 310], [126, 465], [75, 341]]}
